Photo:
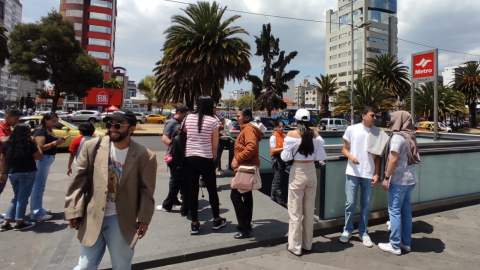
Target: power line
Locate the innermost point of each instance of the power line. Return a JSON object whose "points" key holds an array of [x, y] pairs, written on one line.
{"points": [[318, 21]]}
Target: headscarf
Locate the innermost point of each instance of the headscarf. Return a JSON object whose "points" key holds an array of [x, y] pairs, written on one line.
{"points": [[401, 123]]}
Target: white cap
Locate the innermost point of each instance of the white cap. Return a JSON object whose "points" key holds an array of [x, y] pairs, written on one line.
{"points": [[302, 115], [257, 119]]}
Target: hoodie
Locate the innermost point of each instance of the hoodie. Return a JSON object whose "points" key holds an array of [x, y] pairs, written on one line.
{"points": [[247, 145]]}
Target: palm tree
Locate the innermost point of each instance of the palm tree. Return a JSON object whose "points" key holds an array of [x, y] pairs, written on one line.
{"points": [[146, 87], [327, 86], [169, 90], [449, 101], [467, 81], [367, 93], [390, 74], [4, 52], [201, 47]]}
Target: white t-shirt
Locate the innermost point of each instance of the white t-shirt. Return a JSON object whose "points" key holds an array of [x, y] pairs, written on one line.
{"points": [[116, 162], [261, 126], [403, 174], [357, 136]]}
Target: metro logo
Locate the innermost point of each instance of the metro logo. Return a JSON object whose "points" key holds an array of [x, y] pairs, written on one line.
{"points": [[423, 65]]}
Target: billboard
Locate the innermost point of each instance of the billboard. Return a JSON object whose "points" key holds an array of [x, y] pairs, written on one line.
{"points": [[103, 97]]}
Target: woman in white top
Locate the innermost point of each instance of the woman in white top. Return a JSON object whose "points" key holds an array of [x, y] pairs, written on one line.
{"points": [[201, 149], [304, 146]]}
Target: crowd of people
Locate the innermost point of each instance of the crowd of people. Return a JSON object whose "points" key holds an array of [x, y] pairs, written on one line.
{"points": [[110, 198]]}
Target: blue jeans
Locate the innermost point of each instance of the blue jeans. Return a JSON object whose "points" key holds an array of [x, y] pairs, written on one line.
{"points": [[22, 184], [352, 184], [400, 214], [36, 200], [110, 236]]}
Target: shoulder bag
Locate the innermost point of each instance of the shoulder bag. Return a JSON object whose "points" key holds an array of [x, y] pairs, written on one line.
{"points": [[246, 179]]}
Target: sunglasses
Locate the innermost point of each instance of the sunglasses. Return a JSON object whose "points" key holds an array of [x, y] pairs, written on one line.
{"points": [[117, 126], [373, 116]]}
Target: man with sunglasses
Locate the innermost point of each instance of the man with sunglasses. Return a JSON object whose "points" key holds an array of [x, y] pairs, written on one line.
{"points": [[362, 172], [110, 199]]}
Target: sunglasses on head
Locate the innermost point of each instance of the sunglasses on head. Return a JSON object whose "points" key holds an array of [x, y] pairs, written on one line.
{"points": [[108, 125]]}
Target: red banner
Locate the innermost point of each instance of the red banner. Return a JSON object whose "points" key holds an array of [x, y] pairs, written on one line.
{"points": [[103, 97]]}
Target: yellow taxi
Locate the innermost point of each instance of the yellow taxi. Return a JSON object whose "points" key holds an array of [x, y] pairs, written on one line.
{"points": [[63, 129], [155, 118], [428, 127]]}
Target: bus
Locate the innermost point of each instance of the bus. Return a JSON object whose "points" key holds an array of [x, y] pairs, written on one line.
{"points": [[288, 116]]}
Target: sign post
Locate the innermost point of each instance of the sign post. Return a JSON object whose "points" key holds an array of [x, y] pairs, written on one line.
{"points": [[425, 69]]}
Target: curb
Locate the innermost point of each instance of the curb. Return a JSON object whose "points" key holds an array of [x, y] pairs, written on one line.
{"points": [[146, 134]]}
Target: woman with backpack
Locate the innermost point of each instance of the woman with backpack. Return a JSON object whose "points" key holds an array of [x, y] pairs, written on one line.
{"points": [[201, 149], [19, 153], [303, 146]]}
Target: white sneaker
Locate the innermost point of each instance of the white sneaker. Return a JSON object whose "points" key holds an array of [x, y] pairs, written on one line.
{"points": [[406, 248], [160, 208], [366, 240], [44, 218], [345, 237], [389, 225], [387, 247]]}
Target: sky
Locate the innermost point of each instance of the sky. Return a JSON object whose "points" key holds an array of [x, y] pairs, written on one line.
{"points": [[446, 24]]}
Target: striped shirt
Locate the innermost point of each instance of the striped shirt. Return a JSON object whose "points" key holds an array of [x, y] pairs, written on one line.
{"points": [[200, 144]]}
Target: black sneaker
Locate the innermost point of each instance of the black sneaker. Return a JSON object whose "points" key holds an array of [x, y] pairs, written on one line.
{"points": [[195, 228], [4, 228], [219, 223], [25, 225]]}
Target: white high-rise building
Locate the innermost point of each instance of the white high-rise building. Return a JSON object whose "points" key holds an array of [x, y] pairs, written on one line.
{"points": [[238, 94], [375, 33], [448, 74], [305, 95]]}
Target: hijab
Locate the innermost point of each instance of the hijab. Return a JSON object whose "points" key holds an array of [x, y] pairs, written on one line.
{"points": [[401, 123]]}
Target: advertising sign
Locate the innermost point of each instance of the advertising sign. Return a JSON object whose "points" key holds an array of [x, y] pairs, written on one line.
{"points": [[424, 66], [102, 97]]}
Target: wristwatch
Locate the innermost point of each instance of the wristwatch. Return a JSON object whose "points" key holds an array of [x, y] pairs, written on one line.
{"points": [[387, 178]]}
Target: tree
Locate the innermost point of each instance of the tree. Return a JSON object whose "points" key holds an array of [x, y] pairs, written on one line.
{"points": [[202, 48], [4, 53], [113, 86], [390, 74], [327, 86], [230, 103], [367, 93], [449, 101], [467, 81], [245, 102], [48, 50], [146, 87]]}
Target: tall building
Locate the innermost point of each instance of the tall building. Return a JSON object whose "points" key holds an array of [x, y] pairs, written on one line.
{"points": [[13, 87], [238, 94], [305, 95], [94, 22], [375, 33]]}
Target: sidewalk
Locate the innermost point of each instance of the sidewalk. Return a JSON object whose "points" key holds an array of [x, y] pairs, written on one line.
{"points": [[145, 130]]}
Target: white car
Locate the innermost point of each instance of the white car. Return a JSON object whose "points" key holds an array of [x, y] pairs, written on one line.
{"points": [[141, 117], [441, 125], [333, 124], [85, 115]]}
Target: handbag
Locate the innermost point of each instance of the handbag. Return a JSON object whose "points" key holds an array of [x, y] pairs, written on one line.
{"points": [[246, 179]]}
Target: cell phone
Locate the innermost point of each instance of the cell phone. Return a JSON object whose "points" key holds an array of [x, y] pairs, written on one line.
{"points": [[65, 137]]}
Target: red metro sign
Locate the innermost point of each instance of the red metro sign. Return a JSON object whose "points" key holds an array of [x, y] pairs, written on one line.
{"points": [[423, 66]]}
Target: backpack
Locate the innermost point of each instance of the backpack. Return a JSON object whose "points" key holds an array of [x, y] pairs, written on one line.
{"points": [[177, 149]]}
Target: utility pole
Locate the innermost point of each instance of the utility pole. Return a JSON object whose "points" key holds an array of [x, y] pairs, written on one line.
{"points": [[352, 63]]}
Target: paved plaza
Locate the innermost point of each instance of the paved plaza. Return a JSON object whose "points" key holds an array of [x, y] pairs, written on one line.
{"points": [[445, 240]]}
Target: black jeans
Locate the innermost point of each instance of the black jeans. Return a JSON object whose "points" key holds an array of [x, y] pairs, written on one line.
{"points": [[280, 180], [222, 144], [174, 187], [205, 167], [2, 186], [243, 204]]}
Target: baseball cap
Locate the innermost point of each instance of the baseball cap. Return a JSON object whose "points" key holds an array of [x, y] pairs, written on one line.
{"points": [[302, 115], [220, 116], [122, 115], [257, 119]]}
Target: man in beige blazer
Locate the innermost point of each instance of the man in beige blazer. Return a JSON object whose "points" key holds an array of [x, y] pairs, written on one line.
{"points": [[114, 207]]}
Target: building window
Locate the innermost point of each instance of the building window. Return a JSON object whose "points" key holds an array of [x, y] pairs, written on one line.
{"points": [[378, 30], [99, 42], [379, 16], [74, 13], [100, 3], [77, 26], [342, 55], [100, 55], [342, 36], [100, 29], [333, 66], [106, 68], [100, 16], [342, 74], [333, 75], [333, 57], [343, 64], [333, 48], [378, 40], [342, 83], [384, 5], [334, 22], [333, 39], [72, 2], [343, 45], [376, 50]]}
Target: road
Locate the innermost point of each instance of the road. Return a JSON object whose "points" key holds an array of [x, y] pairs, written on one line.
{"points": [[153, 143]]}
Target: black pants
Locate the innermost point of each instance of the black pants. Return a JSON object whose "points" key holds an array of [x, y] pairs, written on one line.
{"points": [[205, 167], [222, 144], [243, 204], [2, 186], [174, 187], [280, 180]]}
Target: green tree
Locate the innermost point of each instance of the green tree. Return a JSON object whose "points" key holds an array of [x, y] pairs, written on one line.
{"points": [[113, 86], [230, 103], [390, 74], [467, 81], [48, 50], [169, 90], [367, 93], [146, 86], [246, 102], [4, 53], [327, 86], [203, 48]]}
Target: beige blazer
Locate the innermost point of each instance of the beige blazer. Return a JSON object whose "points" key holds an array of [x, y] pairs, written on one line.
{"points": [[134, 199]]}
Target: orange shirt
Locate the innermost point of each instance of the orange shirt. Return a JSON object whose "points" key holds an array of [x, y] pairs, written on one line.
{"points": [[279, 137]]}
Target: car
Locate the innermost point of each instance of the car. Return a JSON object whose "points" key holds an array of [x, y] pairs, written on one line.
{"points": [[155, 118], [448, 129], [333, 124], [141, 118], [85, 115], [427, 126], [62, 129]]}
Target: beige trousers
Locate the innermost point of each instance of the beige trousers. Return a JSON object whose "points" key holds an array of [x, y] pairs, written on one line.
{"points": [[302, 190]]}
